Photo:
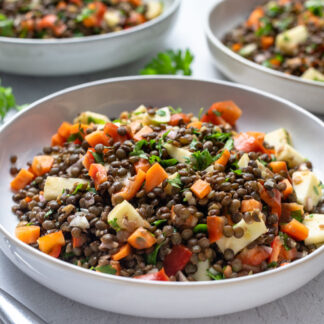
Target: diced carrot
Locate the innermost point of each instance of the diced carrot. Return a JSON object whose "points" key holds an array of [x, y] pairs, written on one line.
{"points": [[78, 241], [215, 226], [28, 234], [56, 251], [227, 110], [254, 18], [144, 131], [197, 125], [79, 128], [135, 18], [201, 188], [42, 164], [61, 5], [267, 41], [254, 256], [133, 186], [47, 242], [116, 266], [278, 166], [123, 252], [250, 205], [88, 159], [47, 21], [288, 254], [77, 2], [97, 137], [28, 24], [57, 140], [111, 130], [295, 229], [236, 47], [275, 62], [224, 158], [21, 180], [154, 176], [136, 2], [177, 118], [65, 130], [284, 2], [98, 173], [134, 126], [213, 118], [142, 164], [276, 246], [284, 264], [28, 199], [289, 188], [141, 239]]}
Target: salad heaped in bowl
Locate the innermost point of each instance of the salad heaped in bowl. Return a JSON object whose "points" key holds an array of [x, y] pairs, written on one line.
{"points": [[162, 195], [284, 35], [73, 18]]}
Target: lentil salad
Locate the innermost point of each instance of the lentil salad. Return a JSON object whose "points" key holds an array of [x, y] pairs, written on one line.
{"points": [[73, 18], [284, 35], [163, 195]]}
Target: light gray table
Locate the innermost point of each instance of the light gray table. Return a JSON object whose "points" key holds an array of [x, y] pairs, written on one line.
{"points": [[303, 306]]}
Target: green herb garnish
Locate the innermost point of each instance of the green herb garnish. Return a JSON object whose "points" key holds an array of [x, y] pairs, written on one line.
{"points": [[151, 258], [218, 276], [161, 112], [49, 213], [316, 190], [297, 215], [200, 228], [193, 144], [229, 144], [159, 222], [284, 238], [85, 13], [175, 111], [138, 149], [201, 160], [176, 182], [113, 223], [98, 157], [170, 62], [316, 7], [272, 264], [220, 137], [106, 269]]}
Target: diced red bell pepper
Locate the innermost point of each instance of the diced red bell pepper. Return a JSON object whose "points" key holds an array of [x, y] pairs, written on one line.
{"points": [[156, 276], [215, 226], [111, 130], [176, 260], [226, 110], [176, 118], [212, 117], [88, 159], [56, 251], [276, 246], [251, 142], [78, 241], [274, 202], [98, 173], [254, 256]]}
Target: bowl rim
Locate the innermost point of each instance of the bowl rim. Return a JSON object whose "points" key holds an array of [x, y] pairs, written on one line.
{"points": [[174, 6], [63, 265], [217, 42]]}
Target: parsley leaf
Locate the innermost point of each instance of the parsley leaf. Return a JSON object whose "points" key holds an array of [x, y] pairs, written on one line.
{"points": [[193, 144], [170, 62], [200, 228], [161, 112], [229, 144], [85, 13], [98, 157], [316, 190], [238, 171], [284, 238], [138, 151], [217, 113], [297, 215], [113, 223], [315, 6], [174, 111], [201, 110], [220, 137], [49, 213], [77, 188], [159, 222], [176, 182], [201, 160], [218, 276], [106, 269], [273, 264], [151, 258]]}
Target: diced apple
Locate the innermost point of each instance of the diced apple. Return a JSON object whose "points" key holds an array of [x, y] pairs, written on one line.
{"points": [[277, 138], [126, 211], [201, 274], [290, 155], [249, 49], [313, 74], [315, 225], [307, 187], [112, 18], [251, 232], [54, 186], [243, 161], [89, 117], [168, 187], [288, 41], [178, 153], [265, 172], [154, 9]]}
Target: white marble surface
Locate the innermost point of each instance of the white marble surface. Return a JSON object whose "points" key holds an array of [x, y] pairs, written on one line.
{"points": [[303, 306]]}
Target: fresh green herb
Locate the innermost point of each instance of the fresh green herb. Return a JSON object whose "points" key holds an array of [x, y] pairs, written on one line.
{"points": [[85, 13], [77, 188], [193, 144], [227, 179], [49, 213], [159, 222], [229, 144], [284, 23], [266, 27], [272, 264], [175, 111], [238, 171], [286, 38], [217, 113], [201, 110], [201, 160], [273, 9], [138, 149], [284, 238], [140, 9], [106, 269], [67, 256], [170, 62], [98, 157], [316, 190], [200, 228], [220, 137], [92, 190], [165, 163], [310, 215], [95, 120], [151, 258], [321, 185], [30, 224], [161, 112], [297, 215], [218, 276], [6, 26], [176, 182], [315, 6], [113, 223], [7, 99], [263, 162]]}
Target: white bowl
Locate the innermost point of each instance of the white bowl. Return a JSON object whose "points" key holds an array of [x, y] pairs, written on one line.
{"points": [[31, 129], [69, 56], [223, 17]]}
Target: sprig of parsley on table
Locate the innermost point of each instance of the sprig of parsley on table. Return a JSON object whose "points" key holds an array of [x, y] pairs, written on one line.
{"points": [[7, 101], [170, 62]]}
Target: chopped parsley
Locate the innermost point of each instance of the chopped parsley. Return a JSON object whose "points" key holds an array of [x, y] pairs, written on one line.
{"points": [[284, 238], [151, 258], [200, 228], [217, 113], [316, 7], [238, 171], [98, 157], [272, 264], [77, 188], [49, 213], [161, 112], [266, 27], [297, 215], [159, 222], [85, 13], [175, 111], [95, 120], [114, 224], [201, 160], [193, 144], [106, 269], [138, 149], [229, 144], [220, 137], [176, 182], [316, 190], [217, 276]]}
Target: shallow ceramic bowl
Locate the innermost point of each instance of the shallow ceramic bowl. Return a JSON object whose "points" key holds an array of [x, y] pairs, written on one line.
{"points": [[223, 17], [86, 54], [31, 129]]}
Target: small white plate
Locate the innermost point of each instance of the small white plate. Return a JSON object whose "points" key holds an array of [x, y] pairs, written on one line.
{"points": [[79, 55], [223, 17], [31, 129]]}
